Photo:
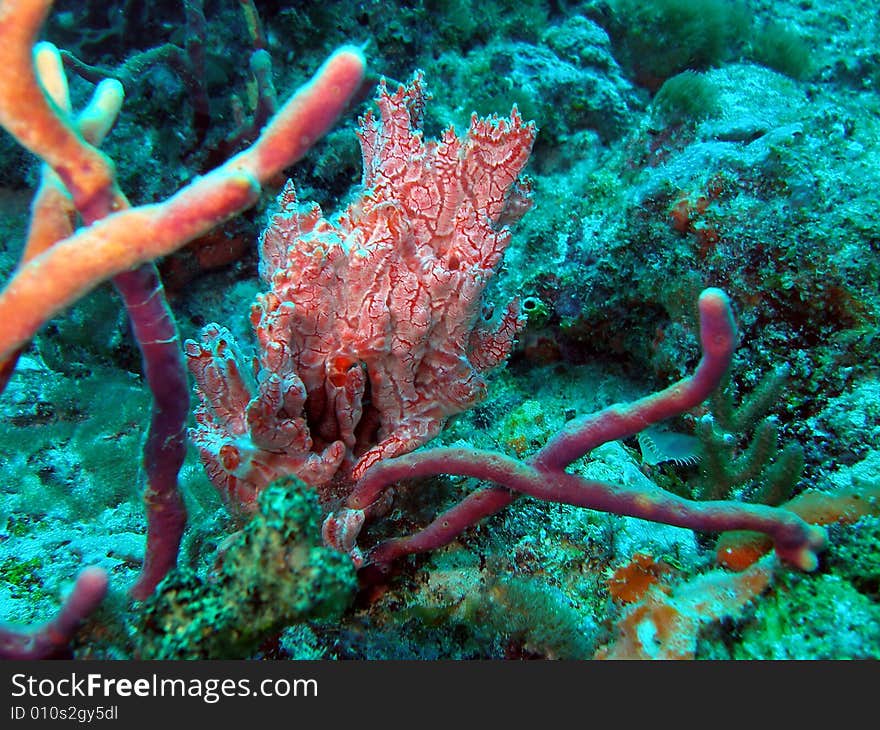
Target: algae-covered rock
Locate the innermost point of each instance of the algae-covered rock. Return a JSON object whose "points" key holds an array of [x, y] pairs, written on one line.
{"points": [[822, 617], [275, 572]]}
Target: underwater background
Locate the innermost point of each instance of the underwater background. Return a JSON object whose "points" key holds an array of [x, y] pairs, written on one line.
{"points": [[680, 145]]}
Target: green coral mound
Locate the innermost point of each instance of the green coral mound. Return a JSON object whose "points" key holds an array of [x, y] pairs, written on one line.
{"points": [[688, 96], [856, 558], [274, 573], [821, 617], [537, 616], [782, 49], [19, 576], [659, 39]]}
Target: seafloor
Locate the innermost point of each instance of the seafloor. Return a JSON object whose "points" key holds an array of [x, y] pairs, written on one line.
{"points": [[681, 144]]}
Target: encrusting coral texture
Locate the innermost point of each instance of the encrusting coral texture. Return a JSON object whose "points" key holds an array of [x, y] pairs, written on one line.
{"points": [[374, 330]]}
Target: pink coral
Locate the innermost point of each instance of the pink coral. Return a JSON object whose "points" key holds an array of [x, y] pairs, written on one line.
{"points": [[372, 333]]}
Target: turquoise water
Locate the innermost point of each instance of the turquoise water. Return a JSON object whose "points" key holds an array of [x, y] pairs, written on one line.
{"points": [[678, 146]]}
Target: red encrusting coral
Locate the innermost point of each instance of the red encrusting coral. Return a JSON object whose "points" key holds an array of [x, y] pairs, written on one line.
{"points": [[739, 549], [665, 623], [631, 581]]}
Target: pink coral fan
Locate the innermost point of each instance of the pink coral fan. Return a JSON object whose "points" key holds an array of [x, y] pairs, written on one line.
{"points": [[372, 333]]}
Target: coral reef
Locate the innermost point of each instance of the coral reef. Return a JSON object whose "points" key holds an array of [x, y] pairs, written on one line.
{"points": [[680, 145]]}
